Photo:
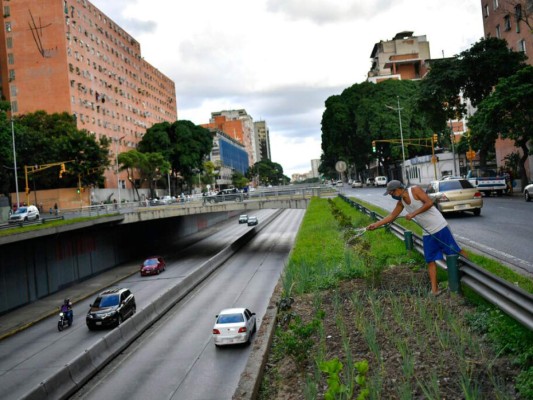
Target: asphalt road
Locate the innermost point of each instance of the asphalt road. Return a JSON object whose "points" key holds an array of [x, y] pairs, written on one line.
{"points": [[176, 358], [503, 231], [36, 353]]}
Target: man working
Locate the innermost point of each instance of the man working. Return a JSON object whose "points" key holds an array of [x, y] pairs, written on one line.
{"points": [[438, 238]]}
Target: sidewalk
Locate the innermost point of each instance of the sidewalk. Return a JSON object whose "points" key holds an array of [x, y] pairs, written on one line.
{"points": [[26, 316]]}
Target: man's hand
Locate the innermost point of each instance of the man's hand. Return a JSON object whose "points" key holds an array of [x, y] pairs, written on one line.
{"points": [[371, 227]]}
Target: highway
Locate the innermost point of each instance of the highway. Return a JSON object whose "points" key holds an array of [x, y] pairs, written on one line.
{"points": [[176, 358], [31, 356]]}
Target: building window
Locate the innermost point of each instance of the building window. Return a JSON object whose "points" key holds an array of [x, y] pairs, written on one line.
{"points": [[7, 11], [522, 46], [11, 75], [14, 106], [498, 32], [495, 4], [13, 90], [10, 58], [9, 42], [507, 22], [8, 26]]}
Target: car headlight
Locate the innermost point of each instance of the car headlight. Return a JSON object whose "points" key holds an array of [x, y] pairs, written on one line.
{"points": [[108, 314]]}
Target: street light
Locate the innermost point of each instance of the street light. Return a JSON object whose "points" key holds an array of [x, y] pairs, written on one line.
{"points": [[15, 161], [116, 162], [401, 136]]}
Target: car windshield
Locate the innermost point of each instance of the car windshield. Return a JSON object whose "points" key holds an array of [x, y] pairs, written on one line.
{"points": [[230, 318], [21, 210], [106, 301], [454, 185], [151, 261]]}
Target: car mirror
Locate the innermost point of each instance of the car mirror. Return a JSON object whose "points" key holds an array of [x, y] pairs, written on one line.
{"points": [[253, 313]]}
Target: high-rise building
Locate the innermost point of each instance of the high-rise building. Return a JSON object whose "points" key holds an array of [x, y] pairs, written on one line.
{"points": [[403, 57], [238, 125], [228, 155], [263, 139], [510, 20], [68, 56]]}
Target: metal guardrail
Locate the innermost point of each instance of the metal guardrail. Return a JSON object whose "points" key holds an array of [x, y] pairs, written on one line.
{"points": [[29, 223], [509, 298]]}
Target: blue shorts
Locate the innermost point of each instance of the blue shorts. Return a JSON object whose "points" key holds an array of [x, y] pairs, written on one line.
{"points": [[438, 243]]}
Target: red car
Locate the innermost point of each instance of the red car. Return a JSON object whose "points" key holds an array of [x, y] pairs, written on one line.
{"points": [[153, 266]]}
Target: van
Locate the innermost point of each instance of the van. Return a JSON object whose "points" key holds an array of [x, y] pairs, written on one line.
{"points": [[380, 181], [24, 214]]}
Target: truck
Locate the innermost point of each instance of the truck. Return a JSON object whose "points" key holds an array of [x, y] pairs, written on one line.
{"points": [[488, 181]]}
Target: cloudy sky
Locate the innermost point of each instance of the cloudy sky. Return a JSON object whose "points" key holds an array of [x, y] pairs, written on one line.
{"points": [[281, 59]]}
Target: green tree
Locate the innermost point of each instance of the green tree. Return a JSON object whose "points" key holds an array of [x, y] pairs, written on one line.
{"points": [[184, 144], [508, 111], [239, 180], [267, 172]]}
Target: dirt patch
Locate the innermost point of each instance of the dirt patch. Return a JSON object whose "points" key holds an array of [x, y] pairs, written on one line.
{"points": [[417, 346]]}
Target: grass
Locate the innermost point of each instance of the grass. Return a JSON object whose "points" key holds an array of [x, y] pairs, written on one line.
{"points": [[322, 259]]}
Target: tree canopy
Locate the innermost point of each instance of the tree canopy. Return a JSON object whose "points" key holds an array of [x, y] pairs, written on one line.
{"points": [[267, 172]]}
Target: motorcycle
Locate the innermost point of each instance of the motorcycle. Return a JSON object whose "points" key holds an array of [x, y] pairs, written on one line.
{"points": [[63, 321]]}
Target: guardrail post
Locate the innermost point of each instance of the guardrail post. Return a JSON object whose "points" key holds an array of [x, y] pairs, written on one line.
{"points": [[454, 278], [373, 215], [408, 239]]}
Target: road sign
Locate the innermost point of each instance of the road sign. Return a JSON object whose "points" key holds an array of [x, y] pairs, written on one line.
{"points": [[340, 166]]}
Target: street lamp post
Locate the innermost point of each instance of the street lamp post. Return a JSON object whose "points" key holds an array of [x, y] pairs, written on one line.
{"points": [[116, 161], [404, 174], [15, 161], [452, 138]]}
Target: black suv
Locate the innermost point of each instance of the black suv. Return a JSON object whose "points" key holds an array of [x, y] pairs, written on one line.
{"points": [[225, 195], [110, 308]]}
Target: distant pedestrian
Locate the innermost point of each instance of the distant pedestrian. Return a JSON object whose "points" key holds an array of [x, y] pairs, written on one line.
{"points": [[56, 209], [438, 238]]}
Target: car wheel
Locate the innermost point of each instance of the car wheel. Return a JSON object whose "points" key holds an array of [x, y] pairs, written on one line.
{"points": [[90, 327], [158, 271], [26, 219], [212, 201], [120, 320], [527, 197], [477, 212]]}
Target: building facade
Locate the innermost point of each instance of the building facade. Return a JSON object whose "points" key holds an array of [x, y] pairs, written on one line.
{"points": [[228, 155], [511, 20], [403, 57], [68, 56], [263, 139]]}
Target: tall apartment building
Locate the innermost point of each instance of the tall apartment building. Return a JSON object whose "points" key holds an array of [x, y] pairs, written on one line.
{"points": [[68, 56], [403, 57], [511, 20], [228, 155], [238, 125], [263, 139]]}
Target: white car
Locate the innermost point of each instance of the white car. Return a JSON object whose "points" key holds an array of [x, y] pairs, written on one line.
{"points": [[357, 184], [380, 181], [23, 214], [233, 326], [528, 192]]}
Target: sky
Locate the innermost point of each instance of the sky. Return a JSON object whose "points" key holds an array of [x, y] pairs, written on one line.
{"points": [[281, 59]]}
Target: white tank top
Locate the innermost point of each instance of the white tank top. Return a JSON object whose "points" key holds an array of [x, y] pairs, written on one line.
{"points": [[431, 220]]}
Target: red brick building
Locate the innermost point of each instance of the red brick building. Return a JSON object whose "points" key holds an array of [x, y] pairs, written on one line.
{"points": [[511, 20], [67, 56]]}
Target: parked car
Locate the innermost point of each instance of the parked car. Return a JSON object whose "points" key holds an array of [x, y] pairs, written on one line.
{"points": [[167, 200], [357, 183], [23, 214], [153, 266], [369, 182], [528, 192], [454, 195], [252, 221], [339, 183], [380, 181], [110, 308], [243, 219], [234, 325]]}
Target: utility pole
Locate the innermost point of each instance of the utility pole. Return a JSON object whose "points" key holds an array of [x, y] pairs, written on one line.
{"points": [[404, 174]]}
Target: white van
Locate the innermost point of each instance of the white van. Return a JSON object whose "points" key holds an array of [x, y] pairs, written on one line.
{"points": [[25, 213], [380, 181]]}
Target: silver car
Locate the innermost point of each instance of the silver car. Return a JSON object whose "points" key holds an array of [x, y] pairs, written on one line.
{"points": [[455, 195], [233, 326], [23, 214]]}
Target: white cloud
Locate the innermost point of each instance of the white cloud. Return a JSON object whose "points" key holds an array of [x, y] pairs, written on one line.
{"points": [[281, 59]]}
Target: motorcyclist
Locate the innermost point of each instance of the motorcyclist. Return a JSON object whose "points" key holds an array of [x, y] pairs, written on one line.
{"points": [[66, 308]]}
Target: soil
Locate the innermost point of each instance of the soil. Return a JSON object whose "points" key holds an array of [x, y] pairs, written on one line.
{"points": [[446, 354]]}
